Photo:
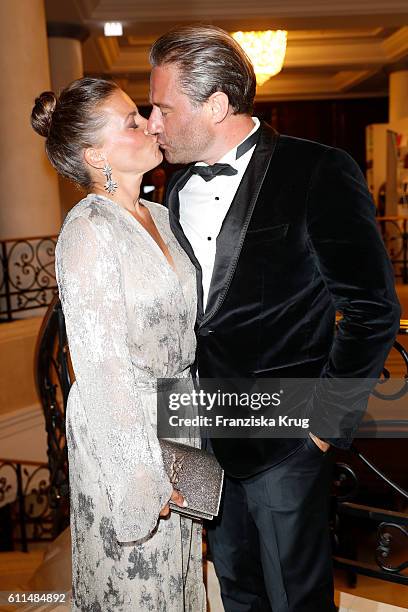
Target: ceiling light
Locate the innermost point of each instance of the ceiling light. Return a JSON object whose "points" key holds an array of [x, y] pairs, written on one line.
{"points": [[266, 50], [113, 28]]}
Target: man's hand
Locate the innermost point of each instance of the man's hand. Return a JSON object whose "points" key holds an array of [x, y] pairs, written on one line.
{"points": [[324, 446], [176, 498]]}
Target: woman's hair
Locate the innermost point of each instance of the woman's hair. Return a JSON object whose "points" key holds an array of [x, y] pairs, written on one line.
{"points": [[208, 60], [72, 123]]}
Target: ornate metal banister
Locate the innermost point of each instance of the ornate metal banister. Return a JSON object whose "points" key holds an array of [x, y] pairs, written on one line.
{"points": [[24, 506], [379, 472], [346, 489], [53, 377], [27, 275]]}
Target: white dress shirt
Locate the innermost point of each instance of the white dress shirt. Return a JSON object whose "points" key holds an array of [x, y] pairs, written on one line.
{"points": [[204, 205]]}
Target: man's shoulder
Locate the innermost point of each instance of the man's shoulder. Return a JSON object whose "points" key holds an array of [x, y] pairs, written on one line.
{"points": [[293, 143], [318, 154], [293, 149], [290, 142]]}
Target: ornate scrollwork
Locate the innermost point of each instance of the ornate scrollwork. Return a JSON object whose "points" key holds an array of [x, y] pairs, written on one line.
{"points": [[386, 378], [8, 481], [5, 488], [28, 275], [36, 493], [2, 269], [25, 488], [385, 541], [345, 482]]}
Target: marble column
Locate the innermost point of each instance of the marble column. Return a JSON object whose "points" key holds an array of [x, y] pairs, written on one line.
{"points": [[66, 65], [30, 198], [65, 51]]}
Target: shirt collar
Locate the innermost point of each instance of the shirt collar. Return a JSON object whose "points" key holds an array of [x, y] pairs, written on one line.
{"points": [[230, 156]]}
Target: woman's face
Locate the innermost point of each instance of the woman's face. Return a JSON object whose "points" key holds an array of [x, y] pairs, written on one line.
{"points": [[124, 143]]}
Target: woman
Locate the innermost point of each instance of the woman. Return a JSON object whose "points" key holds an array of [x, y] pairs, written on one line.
{"points": [[129, 297]]}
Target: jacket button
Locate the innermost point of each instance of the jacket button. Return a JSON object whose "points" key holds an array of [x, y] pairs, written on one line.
{"points": [[205, 331]]}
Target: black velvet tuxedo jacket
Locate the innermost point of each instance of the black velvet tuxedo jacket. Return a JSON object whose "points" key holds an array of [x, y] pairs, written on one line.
{"points": [[299, 243]]}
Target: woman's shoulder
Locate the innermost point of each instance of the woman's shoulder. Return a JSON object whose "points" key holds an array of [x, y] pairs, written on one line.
{"points": [[95, 209], [92, 216]]}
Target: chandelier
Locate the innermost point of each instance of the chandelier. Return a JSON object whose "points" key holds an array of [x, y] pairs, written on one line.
{"points": [[266, 50]]}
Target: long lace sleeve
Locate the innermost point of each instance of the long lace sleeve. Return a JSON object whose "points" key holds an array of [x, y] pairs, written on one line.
{"points": [[124, 442]]}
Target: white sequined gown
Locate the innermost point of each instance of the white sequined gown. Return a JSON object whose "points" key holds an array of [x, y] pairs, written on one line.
{"points": [[129, 320]]}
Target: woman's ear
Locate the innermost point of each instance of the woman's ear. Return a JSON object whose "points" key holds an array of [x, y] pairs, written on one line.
{"points": [[219, 105], [95, 158]]}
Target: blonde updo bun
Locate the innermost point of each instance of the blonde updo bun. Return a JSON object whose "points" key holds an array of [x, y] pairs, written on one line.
{"points": [[41, 115]]}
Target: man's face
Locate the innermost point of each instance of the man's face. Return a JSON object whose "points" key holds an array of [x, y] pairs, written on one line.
{"points": [[184, 130]]}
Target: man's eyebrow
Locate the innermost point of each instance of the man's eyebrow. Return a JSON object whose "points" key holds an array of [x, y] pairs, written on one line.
{"points": [[160, 104], [131, 114]]}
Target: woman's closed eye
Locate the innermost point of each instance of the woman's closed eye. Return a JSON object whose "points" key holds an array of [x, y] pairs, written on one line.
{"points": [[135, 120]]}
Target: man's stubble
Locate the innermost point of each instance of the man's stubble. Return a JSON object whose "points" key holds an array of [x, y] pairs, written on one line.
{"points": [[191, 145]]}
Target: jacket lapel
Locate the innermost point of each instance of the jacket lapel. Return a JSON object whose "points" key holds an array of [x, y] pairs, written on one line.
{"points": [[173, 204], [235, 225]]}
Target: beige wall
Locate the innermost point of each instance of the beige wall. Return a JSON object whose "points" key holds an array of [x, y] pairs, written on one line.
{"points": [[22, 424], [17, 346]]}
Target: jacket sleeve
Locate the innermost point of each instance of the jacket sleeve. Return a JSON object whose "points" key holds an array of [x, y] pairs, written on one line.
{"points": [[120, 436], [350, 255]]}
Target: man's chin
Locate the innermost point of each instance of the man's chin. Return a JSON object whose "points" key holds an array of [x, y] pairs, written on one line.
{"points": [[173, 157]]}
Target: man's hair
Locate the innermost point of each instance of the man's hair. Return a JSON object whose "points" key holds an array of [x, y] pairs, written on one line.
{"points": [[208, 60]]}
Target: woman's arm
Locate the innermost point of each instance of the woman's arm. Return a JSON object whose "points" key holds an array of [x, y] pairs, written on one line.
{"points": [[125, 444]]}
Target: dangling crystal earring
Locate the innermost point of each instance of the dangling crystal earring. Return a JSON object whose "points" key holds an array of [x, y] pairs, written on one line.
{"points": [[110, 186]]}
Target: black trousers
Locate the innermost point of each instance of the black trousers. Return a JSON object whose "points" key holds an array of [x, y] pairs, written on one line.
{"points": [[270, 544]]}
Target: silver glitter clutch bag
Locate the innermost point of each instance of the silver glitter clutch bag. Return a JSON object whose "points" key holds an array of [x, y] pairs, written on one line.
{"points": [[197, 475]]}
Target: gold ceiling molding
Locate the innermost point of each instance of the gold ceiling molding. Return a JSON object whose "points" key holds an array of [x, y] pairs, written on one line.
{"points": [[396, 45], [334, 49], [170, 10]]}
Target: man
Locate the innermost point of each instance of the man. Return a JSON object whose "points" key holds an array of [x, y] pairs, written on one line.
{"points": [[282, 234]]}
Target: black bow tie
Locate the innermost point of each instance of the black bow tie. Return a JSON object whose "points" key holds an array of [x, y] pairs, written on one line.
{"points": [[209, 172]]}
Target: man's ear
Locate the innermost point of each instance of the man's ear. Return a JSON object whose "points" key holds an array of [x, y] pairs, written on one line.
{"points": [[219, 106], [95, 158]]}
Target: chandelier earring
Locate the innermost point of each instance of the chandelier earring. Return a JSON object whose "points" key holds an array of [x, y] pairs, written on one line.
{"points": [[110, 186]]}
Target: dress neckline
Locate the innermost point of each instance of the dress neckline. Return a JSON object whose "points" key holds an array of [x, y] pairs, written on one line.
{"points": [[140, 227]]}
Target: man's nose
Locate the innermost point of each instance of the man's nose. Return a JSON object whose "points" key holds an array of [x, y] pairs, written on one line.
{"points": [[154, 123]]}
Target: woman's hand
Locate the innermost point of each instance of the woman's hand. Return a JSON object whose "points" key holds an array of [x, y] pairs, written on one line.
{"points": [[176, 498], [324, 446]]}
